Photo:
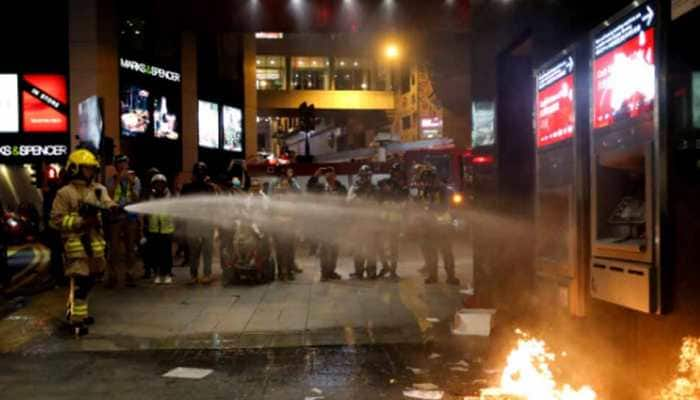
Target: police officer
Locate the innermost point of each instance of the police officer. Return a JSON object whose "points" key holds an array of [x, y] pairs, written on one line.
{"points": [[432, 198], [367, 250], [125, 188], [200, 235], [392, 194], [284, 238], [76, 215], [328, 248], [160, 230]]}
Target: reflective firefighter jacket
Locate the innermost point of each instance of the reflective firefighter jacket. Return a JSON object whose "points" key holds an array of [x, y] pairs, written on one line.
{"points": [[65, 217]]}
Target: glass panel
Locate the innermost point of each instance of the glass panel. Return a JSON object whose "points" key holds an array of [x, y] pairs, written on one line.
{"points": [[270, 73], [310, 73], [351, 74]]}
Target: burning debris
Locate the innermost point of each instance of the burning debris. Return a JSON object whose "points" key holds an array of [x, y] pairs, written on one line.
{"points": [[686, 386], [527, 376]]}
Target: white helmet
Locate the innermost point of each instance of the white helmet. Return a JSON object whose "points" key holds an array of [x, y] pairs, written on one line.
{"points": [[159, 178]]}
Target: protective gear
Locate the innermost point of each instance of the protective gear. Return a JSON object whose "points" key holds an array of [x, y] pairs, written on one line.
{"points": [[81, 233], [77, 159], [159, 178], [200, 170], [365, 171]]}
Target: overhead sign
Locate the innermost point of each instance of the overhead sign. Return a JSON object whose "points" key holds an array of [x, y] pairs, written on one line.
{"points": [[555, 115], [44, 103], [149, 70], [9, 104], [269, 35], [624, 74]]}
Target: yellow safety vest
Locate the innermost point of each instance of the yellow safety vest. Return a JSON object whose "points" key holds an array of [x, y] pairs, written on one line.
{"points": [[162, 224], [118, 193]]}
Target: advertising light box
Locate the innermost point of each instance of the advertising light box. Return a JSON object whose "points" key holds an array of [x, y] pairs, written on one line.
{"points": [[90, 117], [233, 129], [555, 114], [624, 75], [9, 104], [208, 121], [483, 123], [44, 103]]}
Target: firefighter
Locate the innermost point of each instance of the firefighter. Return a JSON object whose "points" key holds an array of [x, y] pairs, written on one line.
{"points": [[432, 198], [160, 230], [76, 214], [367, 250], [393, 194]]}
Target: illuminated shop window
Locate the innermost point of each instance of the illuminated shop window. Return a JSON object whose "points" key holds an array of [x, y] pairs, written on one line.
{"points": [[351, 74], [270, 73], [310, 73]]}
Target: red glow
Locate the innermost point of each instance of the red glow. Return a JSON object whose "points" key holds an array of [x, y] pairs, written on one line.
{"points": [[624, 81], [482, 160], [555, 112]]}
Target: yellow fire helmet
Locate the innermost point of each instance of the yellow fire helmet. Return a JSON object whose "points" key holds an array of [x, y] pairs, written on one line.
{"points": [[81, 157]]}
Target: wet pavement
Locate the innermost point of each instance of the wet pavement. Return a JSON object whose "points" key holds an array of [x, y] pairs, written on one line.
{"points": [[327, 372], [302, 340], [305, 312]]}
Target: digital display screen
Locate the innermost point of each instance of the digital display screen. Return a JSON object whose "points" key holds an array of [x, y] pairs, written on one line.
{"points": [[165, 123], [555, 115], [135, 117], [90, 117], [9, 104], [44, 108], [233, 129], [208, 120], [149, 100], [624, 75], [483, 123]]}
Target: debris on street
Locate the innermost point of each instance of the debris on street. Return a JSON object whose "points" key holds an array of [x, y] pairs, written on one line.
{"points": [[188, 373]]}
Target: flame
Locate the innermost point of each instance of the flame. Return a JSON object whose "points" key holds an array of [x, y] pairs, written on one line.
{"points": [[686, 386], [527, 374]]}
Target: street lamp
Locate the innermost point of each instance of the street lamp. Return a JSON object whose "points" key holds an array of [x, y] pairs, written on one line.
{"points": [[391, 51]]}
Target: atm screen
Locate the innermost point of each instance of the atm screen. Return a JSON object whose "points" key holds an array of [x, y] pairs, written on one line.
{"points": [[555, 103], [624, 76]]}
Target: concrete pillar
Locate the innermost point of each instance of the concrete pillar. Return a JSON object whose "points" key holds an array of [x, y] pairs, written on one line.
{"points": [[250, 107], [189, 100], [93, 61]]}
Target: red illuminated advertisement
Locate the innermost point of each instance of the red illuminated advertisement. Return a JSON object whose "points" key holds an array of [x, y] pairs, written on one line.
{"points": [[555, 112], [44, 98], [624, 76]]}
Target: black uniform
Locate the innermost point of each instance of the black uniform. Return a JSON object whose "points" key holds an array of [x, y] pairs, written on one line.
{"points": [[328, 249], [392, 194], [367, 250], [433, 201]]}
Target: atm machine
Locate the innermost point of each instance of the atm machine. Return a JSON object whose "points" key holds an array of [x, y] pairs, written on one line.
{"points": [[627, 159], [561, 182]]}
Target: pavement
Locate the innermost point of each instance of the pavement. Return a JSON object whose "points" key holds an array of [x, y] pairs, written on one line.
{"points": [[306, 339], [300, 373], [305, 312]]}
